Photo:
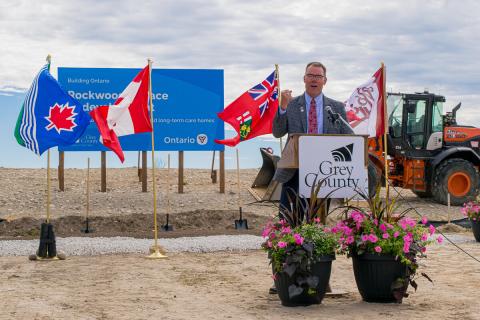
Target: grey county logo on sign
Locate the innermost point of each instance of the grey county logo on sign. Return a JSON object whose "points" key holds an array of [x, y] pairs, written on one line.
{"points": [[340, 171]]}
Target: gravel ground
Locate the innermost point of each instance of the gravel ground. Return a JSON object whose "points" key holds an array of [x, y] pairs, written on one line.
{"points": [[83, 246]]}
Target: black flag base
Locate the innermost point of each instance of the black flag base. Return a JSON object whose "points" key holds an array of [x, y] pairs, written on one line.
{"points": [[47, 250]]}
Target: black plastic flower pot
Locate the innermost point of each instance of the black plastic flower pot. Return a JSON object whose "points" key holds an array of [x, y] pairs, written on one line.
{"points": [[321, 269], [375, 274], [476, 229]]}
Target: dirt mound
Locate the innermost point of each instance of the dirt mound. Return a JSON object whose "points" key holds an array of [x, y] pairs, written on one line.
{"points": [[193, 223]]}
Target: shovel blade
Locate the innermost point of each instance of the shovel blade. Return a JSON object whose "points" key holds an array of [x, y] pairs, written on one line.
{"points": [[241, 224], [167, 227]]}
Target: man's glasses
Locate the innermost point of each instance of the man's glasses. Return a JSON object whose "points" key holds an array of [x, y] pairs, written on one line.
{"points": [[315, 76]]}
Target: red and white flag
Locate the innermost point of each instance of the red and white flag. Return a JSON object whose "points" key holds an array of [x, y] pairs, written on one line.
{"points": [[365, 107], [128, 115]]}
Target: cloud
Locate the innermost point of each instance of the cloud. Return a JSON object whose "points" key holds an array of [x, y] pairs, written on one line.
{"points": [[428, 44]]}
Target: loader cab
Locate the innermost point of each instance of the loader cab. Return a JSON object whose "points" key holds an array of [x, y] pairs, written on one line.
{"points": [[415, 124]]}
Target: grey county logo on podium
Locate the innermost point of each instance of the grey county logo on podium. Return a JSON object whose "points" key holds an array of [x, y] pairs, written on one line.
{"points": [[339, 161]]}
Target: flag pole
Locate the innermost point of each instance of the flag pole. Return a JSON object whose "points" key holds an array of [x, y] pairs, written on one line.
{"points": [[277, 75], [49, 61], [385, 115], [156, 254]]}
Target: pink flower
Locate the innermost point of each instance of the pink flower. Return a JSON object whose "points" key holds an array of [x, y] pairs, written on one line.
{"points": [[424, 237], [286, 230], [272, 236], [373, 238], [350, 239], [406, 247], [347, 231], [365, 237], [383, 227], [282, 244], [439, 239], [357, 216], [396, 234], [375, 221], [423, 249], [424, 220], [378, 249], [327, 230], [298, 238], [316, 220], [385, 236], [408, 237], [269, 244], [274, 276], [266, 232], [431, 229]]}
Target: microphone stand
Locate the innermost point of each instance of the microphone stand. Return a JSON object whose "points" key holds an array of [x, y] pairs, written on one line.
{"points": [[336, 118]]}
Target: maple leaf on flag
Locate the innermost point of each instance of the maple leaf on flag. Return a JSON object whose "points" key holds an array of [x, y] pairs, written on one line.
{"points": [[61, 117]]}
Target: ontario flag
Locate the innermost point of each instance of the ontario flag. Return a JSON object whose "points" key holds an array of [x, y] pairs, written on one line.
{"points": [[365, 107], [128, 115], [49, 116], [252, 113]]}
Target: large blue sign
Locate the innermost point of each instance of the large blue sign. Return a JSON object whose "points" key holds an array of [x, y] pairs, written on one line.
{"points": [[185, 103]]}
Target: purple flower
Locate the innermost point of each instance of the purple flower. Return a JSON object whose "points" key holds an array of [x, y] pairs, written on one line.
{"points": [[378, 249]]}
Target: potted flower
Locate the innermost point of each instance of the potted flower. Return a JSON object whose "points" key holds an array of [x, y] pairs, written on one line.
{"points": [[384, 248], [301, 251], [471, 210]]}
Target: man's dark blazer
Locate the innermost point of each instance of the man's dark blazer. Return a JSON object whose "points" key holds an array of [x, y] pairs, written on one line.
{"points": [[295, 121]]}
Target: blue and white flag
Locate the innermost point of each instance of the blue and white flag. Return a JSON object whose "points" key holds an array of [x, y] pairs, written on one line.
{"points": [[49, 116]]}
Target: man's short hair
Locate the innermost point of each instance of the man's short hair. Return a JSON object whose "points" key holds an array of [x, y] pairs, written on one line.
{"points": [[316, 64]]}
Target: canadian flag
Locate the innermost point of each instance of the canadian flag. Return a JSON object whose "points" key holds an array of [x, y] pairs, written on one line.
{"points": [[128, 115], [365, 107]]}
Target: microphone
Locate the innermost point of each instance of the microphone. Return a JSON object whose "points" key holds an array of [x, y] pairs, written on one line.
{"points": [[337, 118], [334, 117]]}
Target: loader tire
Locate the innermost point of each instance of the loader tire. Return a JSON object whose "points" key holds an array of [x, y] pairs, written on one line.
{"points": [[457, 177], [423, 194]]}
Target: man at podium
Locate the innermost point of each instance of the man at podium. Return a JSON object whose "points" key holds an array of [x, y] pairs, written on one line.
{"points": [[311, 112]]}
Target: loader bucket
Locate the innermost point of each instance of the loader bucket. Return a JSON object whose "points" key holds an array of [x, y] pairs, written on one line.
{"points": [[267, 171], [263, 187]]}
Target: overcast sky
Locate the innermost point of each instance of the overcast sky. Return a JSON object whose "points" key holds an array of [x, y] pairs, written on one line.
{"points": [[424, 44]]}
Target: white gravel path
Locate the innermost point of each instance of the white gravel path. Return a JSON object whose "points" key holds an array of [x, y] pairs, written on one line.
{"points": [[84, 246]]}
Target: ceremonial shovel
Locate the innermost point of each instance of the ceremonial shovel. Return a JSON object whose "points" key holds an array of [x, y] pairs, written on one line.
{"points": [[240, 223]]}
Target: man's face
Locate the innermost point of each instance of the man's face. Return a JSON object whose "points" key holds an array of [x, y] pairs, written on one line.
{"points": [[314, 79]]}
